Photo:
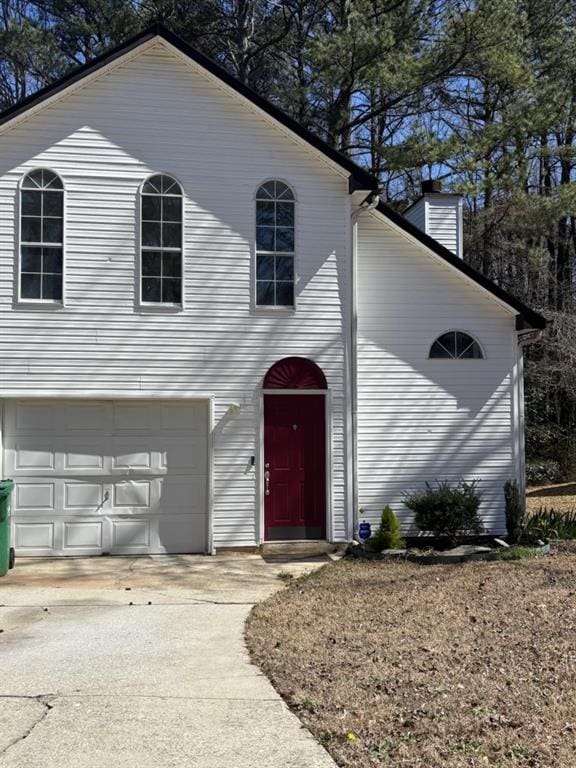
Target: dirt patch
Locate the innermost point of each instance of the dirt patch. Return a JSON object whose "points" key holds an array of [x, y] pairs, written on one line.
{"points": [[561, 497], [405, 666]]}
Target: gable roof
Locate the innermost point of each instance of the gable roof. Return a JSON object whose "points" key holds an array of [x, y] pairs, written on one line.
{"points": [[359, 178], [526, 318]]}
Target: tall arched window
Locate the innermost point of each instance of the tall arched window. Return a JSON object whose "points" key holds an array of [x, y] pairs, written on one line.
{"points": [[456, 345], [275, 245], [161, 241], [41, 236]]}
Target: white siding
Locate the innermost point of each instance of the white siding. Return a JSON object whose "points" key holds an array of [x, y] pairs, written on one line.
{"points": [[155, 113], [440, 216], [421, 419], [443, 221]]}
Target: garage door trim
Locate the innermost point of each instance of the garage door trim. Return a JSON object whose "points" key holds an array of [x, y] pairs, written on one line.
{"points": [[130, 396]]}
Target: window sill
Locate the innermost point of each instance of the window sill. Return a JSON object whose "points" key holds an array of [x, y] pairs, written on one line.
{"points": [[272, 311], [45, 306], [159, 309]]}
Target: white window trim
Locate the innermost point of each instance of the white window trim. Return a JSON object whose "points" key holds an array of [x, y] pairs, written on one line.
{"points": [[158, 306], [267, 309], [457, 359], [44, 304]]}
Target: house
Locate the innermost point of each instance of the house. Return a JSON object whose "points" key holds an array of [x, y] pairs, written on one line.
{"points": [[212, 333]]}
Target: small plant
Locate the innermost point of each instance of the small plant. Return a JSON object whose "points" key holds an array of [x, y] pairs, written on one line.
{"points": [[515, 511], [388, 534], [308, 705], [552, 524], [449, 512]]}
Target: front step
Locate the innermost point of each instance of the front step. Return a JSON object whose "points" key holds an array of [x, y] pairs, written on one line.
{"points": [[297, 550]]}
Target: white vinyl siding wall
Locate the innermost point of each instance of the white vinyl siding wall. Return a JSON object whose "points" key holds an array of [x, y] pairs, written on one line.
{"points": [[421, 419], [443, 224], [156, 114], [440, 216]]}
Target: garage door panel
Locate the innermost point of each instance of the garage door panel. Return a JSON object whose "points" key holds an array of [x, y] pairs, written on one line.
{"points": [[131, 535], [183, 456], [83, 496], [34, 537], [33, 496], [30, 418], [133, 494], [134, 417], [31, 454], [88, 418], [93, 477], [128, 455], [172, 531], [83, 535], [183, 494]]}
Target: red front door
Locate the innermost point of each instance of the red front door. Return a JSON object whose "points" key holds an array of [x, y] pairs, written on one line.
{"points": [[294, 467]]}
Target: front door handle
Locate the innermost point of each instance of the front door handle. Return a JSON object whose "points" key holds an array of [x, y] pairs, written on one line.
{"points": [[267, 480]]}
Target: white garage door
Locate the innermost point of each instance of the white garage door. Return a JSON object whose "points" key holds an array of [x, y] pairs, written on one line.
{"points": [[93, 477]]}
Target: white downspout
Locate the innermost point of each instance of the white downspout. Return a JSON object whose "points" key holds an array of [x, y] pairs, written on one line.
{"points": [[367, 205]]}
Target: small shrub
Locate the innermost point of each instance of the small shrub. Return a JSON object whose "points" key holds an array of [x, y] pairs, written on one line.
{"points": [[447, 511], [515, 510], [388, 534], [552, 524], [543, 471]]}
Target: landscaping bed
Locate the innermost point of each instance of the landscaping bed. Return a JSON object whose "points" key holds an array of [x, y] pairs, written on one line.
{"points": [[392, 664]]}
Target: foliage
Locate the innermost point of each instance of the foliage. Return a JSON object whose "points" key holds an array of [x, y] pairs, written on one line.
{"points": [[552, 524], [388, 534], [517, 553], [479, 94], [543, 471], [447, 511], [515, 510]]}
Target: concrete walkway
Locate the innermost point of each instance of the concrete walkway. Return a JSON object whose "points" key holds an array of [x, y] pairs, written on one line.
{"points": [[141, 662]]}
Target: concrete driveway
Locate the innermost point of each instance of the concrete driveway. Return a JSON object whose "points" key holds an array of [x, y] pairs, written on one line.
{"points": [[141, 662]]}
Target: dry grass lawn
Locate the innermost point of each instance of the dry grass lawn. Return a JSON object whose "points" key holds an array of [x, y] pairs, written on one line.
{"points": [[397, 664], [562, 497]]}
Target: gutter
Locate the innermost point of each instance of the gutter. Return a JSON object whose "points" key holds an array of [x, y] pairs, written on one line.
{"points": [[368, 204]]}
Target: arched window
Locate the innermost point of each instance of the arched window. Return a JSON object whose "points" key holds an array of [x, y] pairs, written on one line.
{"points": [[456, 345], [275, 245], [161, 241], [295, 373], [41, 236]]}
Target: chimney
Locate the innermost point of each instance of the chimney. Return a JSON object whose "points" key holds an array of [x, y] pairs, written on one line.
{"points": [[439, 214]]}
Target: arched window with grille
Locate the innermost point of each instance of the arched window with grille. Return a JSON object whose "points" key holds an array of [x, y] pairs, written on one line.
{"points": [[275, 236], [41, 236], [456, 345], [161, 241]]}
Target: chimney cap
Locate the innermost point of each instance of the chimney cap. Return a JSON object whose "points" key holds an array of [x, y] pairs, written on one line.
{"points": [[431, 186]]}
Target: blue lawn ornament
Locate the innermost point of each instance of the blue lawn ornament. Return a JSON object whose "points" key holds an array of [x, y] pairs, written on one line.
{"points": [[364, 531]]}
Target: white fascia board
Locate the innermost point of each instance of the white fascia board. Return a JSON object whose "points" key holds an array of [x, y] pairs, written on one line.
{"points": [[439, 260]]}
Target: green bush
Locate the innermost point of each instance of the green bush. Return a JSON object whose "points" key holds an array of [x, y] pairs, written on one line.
{"points": [[388, 534], [543, 471], [515, 510], [552, 524], [447, 511]]}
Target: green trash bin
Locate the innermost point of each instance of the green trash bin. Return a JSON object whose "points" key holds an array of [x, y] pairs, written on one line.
{"points": [[6, 551]]}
